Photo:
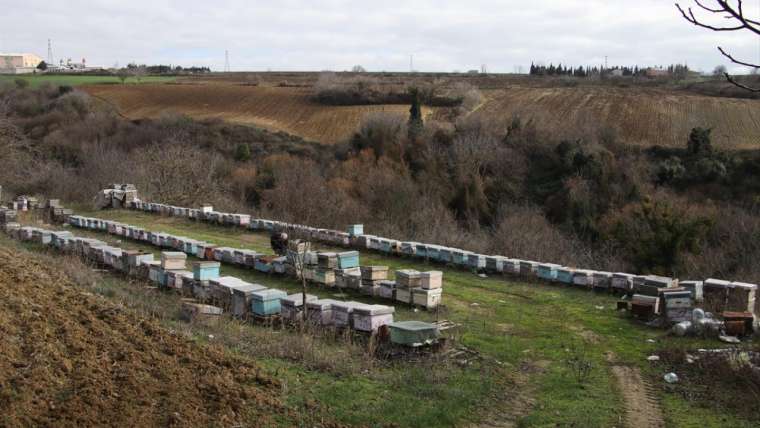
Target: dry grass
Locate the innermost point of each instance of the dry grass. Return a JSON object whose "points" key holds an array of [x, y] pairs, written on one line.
{"points": [[276, 108]]}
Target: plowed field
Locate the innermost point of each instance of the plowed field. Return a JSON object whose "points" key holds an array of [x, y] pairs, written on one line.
{"points": [[281, 109], [640, 116], [69, 358]]}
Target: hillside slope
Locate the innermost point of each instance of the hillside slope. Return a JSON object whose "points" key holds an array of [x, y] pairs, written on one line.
{"points": [[639, 116], [282, 109], [70, 358]]}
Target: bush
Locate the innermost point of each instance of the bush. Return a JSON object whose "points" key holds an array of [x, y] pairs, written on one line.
{"points": [[243, 152], [21, 83], [699, 143]]}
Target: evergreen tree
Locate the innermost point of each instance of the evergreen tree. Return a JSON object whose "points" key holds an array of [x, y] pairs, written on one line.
{"points": [[415, 123]]}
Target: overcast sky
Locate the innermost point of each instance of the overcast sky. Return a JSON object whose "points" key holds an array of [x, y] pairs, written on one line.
{"points": [[442, 35]]}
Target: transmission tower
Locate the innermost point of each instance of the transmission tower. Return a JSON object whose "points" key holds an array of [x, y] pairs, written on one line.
{"points": [[50, 53], [226, 61]]}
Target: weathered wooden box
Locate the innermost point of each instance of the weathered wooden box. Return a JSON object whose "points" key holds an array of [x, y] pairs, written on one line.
{"points": [[431, 280], [343, 313], [173, 260], [242, 298], [374, 273], [291, 307], [426, 298], [320, 311], [408, 278], [371, 317]]}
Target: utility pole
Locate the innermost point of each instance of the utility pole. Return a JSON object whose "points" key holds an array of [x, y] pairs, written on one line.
{"points": [[411, 63], [226, 61], [605, 63]]}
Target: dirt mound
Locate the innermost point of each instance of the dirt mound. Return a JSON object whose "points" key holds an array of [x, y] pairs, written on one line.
{"points": [[280, 109], [69, 358]]}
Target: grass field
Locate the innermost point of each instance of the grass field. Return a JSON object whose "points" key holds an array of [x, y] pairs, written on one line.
{"points": [[279, 109], [36, 80], [528, 328]]}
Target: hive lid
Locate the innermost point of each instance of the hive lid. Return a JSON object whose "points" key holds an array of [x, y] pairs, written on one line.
{"points": [[269, 294], [374, 310], [413, 326], [348, 306], [322, 304], [297, 299], [247, 289]]}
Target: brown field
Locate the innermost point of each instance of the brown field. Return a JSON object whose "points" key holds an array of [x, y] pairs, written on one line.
{"points": [[286, 109], [639, 114]]}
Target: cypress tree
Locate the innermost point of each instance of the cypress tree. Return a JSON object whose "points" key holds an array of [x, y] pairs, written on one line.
{"points": [[415, 123]]}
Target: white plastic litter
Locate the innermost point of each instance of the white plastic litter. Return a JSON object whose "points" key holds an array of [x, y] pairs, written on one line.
{"points": [[671, 377], [653, 358]]}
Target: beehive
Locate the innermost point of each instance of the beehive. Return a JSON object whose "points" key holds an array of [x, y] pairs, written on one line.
{"points": [[408, 278], [242, 298], [431, 280], [320, 311], [426, 298], [292, 306], [173, 260], [413, 333], [267, 302], [374, 273], [343, 313], [370, 318], [203, 271], [348, 259]]}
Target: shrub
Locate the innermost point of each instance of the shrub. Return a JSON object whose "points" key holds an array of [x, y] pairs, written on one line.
{"points": [[657, 234], [699, 143], [21, 83], [243, 152]]}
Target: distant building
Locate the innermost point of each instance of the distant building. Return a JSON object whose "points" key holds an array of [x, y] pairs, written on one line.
{"points": [[618, 72], [18, 63], [657, 72]]}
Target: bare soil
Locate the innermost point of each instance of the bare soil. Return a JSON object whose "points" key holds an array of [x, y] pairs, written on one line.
{"points": [[70, 358], [641, 406]]}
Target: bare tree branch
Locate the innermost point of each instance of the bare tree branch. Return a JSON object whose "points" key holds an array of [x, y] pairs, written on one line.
{"points": [[734, 13], [741, 85]]}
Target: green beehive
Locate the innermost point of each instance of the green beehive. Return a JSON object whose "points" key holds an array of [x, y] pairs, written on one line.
{"points": [[413, 333]]}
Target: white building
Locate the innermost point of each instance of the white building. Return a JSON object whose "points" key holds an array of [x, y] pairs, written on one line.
{"points": [[18, 63]]}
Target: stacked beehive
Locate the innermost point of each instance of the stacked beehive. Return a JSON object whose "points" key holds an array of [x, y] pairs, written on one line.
{"points": [[371, 276]]}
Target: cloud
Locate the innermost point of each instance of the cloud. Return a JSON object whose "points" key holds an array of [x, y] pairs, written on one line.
{"points": [[442, 35]]}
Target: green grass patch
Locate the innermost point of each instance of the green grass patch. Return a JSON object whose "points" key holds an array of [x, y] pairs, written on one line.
{"points": [[35, 80], [529, 328]]}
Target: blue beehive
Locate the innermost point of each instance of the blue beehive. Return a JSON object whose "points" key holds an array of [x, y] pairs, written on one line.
{"points": [[267, 302], [356, 229], [434, 252], [565, 275], [263, 264], [421, 251], [444, 255], [460, 257], [547, 272], [348, 259], [203, 271]]}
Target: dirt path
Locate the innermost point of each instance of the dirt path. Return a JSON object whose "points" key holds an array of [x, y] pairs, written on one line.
{"points": [[641, 406]]}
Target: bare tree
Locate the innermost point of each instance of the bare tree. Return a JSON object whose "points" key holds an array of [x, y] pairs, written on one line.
{"points": [[122, 74], [734, 13], [139, 72], [296, 254]]}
